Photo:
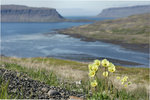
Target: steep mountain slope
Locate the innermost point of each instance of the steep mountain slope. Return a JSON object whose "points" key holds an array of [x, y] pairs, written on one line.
{"points": [[124, 11], [18, 13]]}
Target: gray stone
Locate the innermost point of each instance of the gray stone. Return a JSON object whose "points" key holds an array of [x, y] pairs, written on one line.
{"points": [[33, 89], [44, 89], [14, 90], [53, 93], [3, 65]]}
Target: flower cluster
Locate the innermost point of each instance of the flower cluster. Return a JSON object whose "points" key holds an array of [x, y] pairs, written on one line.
{"points": [[93, 68], [124, 81], [109, 67], [104, 88]]}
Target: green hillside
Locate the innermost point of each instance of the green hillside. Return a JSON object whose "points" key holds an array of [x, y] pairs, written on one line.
{"points": [[133, 29]]}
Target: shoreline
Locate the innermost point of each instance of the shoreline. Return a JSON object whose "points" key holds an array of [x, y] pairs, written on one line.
{"points": [[115, 61], [82, 59], [130, 46]]}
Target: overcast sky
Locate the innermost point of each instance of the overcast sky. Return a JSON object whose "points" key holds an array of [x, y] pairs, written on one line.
{"points": [[77, 7]]}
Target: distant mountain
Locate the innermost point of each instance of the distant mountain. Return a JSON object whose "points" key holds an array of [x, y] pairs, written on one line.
{"points": [[19, 13], [124, 11]]}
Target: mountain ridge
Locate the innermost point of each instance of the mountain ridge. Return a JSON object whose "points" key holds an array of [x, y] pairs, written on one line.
{"points": [[21, 13], [118, 12]]}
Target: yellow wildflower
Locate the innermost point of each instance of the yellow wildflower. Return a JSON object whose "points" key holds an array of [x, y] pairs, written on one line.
{"points": [[92, 73], [111, 65], [105, 74], [111, 69], [122, 80], [129, 83], [90, 66], [94, 83], [118, 77], [125, 78], [97, 62], [125, 85], [105, 63], [95, 68]]}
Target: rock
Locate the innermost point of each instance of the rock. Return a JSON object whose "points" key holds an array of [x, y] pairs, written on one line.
{"points": [[14, 90], [44, 89], [28, 88], [78, 82], [3, 65], [53, 93]]}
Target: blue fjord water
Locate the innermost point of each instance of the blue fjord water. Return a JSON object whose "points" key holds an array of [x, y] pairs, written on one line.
{"points": [[40, 40]]}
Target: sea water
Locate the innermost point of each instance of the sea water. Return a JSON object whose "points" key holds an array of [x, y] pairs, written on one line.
{"points": [[41, 40]]}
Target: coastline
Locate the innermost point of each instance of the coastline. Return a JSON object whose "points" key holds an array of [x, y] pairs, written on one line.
{"points": [[87, 59], [130, 46], [84, 59]]}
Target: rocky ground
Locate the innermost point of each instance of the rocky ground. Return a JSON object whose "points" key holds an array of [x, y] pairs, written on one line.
{"points": [[24, 87]]}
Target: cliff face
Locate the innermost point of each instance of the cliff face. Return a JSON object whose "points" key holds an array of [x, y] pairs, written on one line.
{"points": [[17, 13], [124, 11]]}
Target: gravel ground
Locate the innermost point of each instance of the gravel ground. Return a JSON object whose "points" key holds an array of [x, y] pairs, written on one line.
{"points": [[25, 87]]}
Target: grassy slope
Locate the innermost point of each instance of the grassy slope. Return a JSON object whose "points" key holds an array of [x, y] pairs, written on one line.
{"points": [[75, 70], [133, 29], [49, 70]]}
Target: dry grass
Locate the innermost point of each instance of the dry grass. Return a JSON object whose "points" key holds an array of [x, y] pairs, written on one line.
{"points": [[64, 69], [75, 71]]}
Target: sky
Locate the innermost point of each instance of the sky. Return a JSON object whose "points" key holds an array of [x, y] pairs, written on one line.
{"points": [[77, 7]]}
